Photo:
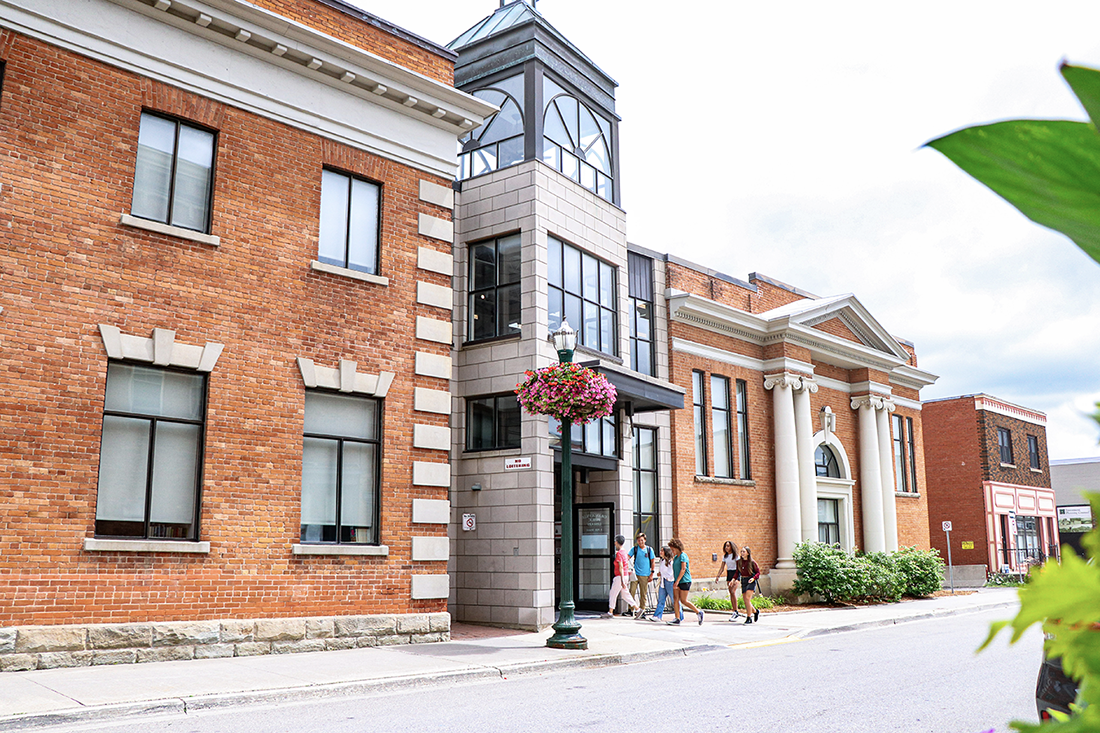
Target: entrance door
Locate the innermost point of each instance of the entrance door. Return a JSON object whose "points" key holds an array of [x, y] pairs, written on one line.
{"points": [[595, 552]]}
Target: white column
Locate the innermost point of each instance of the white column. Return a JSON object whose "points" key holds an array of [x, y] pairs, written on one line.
{"points": [[870, 475], [787, 511], [807, 475], [886, 468]]}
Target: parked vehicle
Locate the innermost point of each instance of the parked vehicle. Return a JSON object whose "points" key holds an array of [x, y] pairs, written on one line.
{"points": [[1053, 690]]}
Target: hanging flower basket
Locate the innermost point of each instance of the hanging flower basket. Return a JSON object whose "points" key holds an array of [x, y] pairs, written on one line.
{"points": [[567, 392]]}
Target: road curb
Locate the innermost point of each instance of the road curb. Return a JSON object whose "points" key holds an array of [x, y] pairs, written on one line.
{"points": [[878, 623], [168, 706]]}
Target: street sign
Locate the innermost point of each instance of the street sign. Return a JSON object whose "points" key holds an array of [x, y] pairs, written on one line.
{"points": [[469, 522], [517, 464], [967, 545], [947, 526], [950, 566]]}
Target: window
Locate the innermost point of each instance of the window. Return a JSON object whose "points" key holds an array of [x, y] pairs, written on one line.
{"points": [[912, 454], [720, 424], [498, 142], [174, 173], [576, 141], [743, 467], [905, 459], [645, 483], [583, 290], [1033, 452], [828, 521], [3, 66], [1004, 443], [341, 456], [640, 273], [150, 457], [349, 228], [698, 400], [494, 288], [598, 438], [492, 422], [825, 463]]}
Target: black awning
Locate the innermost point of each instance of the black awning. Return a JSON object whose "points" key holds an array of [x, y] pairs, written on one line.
{"points": [[637, 394]]}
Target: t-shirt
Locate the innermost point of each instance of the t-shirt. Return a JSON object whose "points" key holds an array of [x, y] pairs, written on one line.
{"points": [[643, 560], [731, 562], [679, 561], [621, 563], [666, 570]]}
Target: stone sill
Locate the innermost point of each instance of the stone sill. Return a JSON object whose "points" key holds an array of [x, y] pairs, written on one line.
{"points": [[1008, 465], [348, 273], [368, 550], [93, 544], [907, 494], [171, 231], [724, 481], [1036, 470]]}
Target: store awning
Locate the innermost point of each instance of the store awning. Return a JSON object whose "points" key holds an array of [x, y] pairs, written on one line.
{"points": [[638, 394]]}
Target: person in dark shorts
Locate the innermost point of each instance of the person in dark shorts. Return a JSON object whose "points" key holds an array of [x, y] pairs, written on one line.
{"points": [[729, 563], [749, 573], [682, 570]]}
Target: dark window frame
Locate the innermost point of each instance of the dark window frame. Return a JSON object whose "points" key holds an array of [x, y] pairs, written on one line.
{"points": [[346, 264], [495, 289], [612, 309], [196, 531], [742, 406], [1033, 458], [835, 526], [901, 462], [828, 462], [3, 68], [496, 444], [699, 413], [912, 454], [726, 414], [582, 446], [179, 122], [379, 461], [1004, 447], [641, 299], [652, 535]]}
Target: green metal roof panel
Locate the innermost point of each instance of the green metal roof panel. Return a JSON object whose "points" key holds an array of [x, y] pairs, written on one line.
{"points": [[505, 17]]}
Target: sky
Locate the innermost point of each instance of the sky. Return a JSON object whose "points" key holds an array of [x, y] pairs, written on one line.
{"points": [[787, 139]]}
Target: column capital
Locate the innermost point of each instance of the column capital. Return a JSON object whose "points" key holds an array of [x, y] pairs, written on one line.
{"points": [[874, 401], [796, 382]]}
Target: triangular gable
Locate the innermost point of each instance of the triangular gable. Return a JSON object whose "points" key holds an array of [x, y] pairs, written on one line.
{"points": [[837, 327], [842, 316]]}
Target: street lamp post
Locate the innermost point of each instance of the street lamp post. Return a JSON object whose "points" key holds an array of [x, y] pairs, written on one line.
{"points": [[567, 632]]}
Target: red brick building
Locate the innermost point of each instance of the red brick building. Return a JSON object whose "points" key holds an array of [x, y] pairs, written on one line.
{"points": [[988, 474], [225, 325], [805, 422]]}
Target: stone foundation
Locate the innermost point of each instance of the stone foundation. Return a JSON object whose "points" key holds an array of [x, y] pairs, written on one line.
{"points": [[45, 647]]}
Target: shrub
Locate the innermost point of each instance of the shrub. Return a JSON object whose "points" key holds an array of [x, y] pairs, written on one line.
{"points": [[711, 603], [827, 571], [922, 570], [883, 580]]}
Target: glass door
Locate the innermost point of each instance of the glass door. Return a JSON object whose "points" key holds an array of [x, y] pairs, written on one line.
{"points": [[595, 552]]}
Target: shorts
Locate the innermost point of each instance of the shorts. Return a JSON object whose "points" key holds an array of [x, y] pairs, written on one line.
{"points": [[684, 586], [730, 575], [748, 584]]}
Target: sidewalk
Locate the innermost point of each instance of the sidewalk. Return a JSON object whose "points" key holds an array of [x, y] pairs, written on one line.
{"points": [[85, 694]]}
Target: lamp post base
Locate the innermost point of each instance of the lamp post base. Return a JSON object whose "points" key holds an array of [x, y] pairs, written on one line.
{"points": [[567, 632]]}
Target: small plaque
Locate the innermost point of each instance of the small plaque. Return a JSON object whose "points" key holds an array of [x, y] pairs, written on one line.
{"points": [[968, 545], [517, 464], [469, 522]]}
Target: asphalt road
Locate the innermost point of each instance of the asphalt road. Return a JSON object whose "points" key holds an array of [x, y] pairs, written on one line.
{"points": [[911, 678]]}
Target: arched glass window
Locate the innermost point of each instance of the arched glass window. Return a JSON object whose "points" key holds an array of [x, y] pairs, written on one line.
{"points": [[498, 142], [825, 462], [577, 142]]}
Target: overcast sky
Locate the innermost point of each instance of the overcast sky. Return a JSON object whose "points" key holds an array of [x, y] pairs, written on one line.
{"points": [[785, 138]]}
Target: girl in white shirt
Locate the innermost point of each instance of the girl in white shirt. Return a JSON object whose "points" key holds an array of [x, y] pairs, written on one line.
{"points": [[664, 592], [729, 562]]}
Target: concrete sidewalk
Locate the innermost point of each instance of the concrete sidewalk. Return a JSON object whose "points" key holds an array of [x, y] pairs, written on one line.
{"points": [[85, 694]]}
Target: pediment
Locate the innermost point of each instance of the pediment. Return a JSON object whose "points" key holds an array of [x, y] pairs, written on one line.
{"points": [[844, 317]]}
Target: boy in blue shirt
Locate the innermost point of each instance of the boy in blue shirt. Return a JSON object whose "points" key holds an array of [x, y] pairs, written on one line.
{"points": [[644, 570]]}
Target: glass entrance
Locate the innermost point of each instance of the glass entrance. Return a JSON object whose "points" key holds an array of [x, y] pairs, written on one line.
{"points": [[594, 529]]}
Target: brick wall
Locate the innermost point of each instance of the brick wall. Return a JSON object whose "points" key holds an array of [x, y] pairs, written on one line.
{"points": [[1020, 471], [69, 127], [954, 473]]}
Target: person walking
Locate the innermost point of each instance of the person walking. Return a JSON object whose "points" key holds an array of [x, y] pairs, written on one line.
{"points": [[729, 564], [619, 588], [682, 570], [749, 572], [665, 590], [644, 571]]}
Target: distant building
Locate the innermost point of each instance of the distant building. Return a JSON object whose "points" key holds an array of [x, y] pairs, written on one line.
{"points": [[988, 475], [1071, 478]]}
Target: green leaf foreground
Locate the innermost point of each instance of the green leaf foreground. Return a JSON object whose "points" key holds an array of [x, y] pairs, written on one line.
{"points": [[1048, 169]]}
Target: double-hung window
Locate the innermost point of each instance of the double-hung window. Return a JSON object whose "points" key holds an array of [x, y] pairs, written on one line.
{"points": [[645, 483], [698, 400], [640, 272], [720, 425], [743, 469], [350, 222], [582, 290], [341, 466], [150, 456], [1033, 452], [492, 422], [174, 173], [905, 457], [494, 288], [1004, 445]]}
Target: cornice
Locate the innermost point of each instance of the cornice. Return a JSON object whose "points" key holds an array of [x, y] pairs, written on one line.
{"points": [[911, 377]]}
